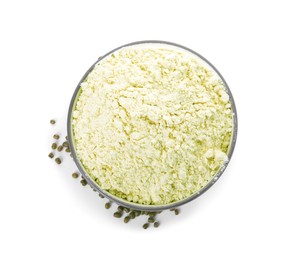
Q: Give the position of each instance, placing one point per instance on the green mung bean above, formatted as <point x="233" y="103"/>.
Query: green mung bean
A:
<point x="83" y="182"/>
<point x="127" y="210"/>
<point x="59" y="148"/>
<point x="156" y="224"/>
<point x="51" y="155"/>
<point x="151" y="220"/>
<point x="137" y="213"/>
<point x="58" y="160"/>
<point x="74" y="175"/>
<point x="146" y="225"/>
<point x="132" y="215"/>
<point x="126" y="219"/>
<point x="117" y="214"/>
<point x="120" y="208"/>
<point x="108" y="205"/>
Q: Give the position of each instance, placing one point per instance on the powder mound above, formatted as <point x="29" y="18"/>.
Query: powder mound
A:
<point x="152" y="124"/>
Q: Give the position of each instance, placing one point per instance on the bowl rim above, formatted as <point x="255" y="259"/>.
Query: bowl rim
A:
<point x="137" y="206"/>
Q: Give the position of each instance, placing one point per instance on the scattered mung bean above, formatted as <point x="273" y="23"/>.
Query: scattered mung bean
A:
<point x="132" y="215"/>
<point x="83" y="182"/>
<point x="127" y="210"/>
<point x="59" y="148"/>
<point x="126" y="219"/>
<point x="58" y="160"/>
<point x="51" y="155"/>
<point x="151" y="220"/>
<point x="146" y="225"/>
<point x="117" y="214"/>
<point x="55" y="136"/>
<point x="137" y="213"/>
<point x="54" y="146"/>
<point x="120" y="209"/>
<point x="74" y="175"/>
<point x="156" y="224"/>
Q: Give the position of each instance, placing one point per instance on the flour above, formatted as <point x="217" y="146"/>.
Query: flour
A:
<point x="152" y="124"/>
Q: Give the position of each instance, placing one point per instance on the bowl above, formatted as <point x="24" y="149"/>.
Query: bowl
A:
<point x="136" y="206"/>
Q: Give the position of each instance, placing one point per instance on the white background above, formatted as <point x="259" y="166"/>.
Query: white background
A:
<point x="46" y="47"/>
